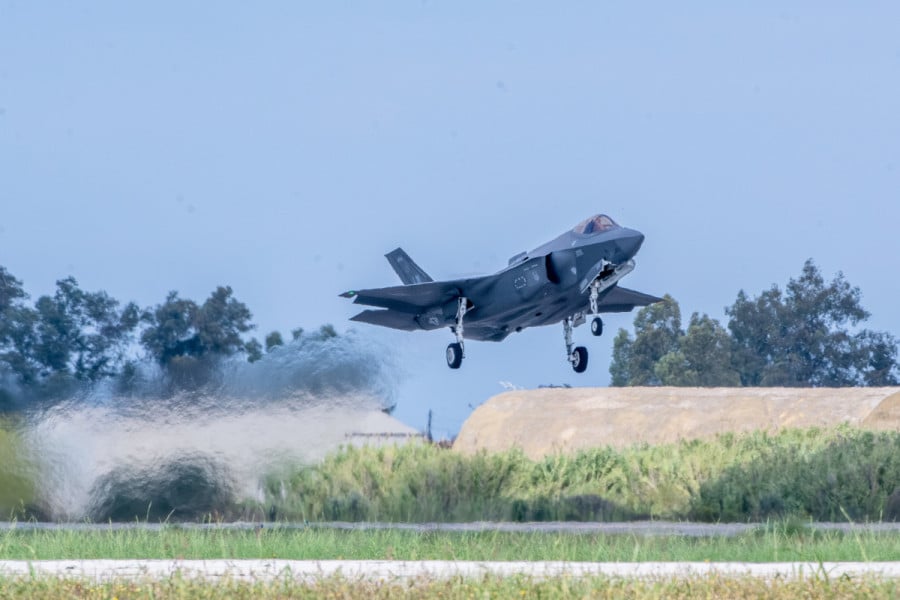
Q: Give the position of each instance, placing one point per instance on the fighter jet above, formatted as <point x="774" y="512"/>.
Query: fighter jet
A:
<point x="569" y="278"/>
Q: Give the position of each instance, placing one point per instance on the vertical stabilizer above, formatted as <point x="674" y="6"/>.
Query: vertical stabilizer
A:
<point x="408" y="271"/>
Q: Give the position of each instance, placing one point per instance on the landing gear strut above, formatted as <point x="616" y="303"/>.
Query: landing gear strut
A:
<point x="577" y="356"/>
<point x="457" y="350"/>
<point x="596" y="322"/>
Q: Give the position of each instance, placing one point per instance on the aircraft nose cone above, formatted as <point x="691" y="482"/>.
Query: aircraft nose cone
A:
<point x="631" y="244"/>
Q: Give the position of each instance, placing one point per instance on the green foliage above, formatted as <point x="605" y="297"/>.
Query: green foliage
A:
<point x="78" y="335"/>
<point x="657" y="330"/>
<point x="815" y="473"/>
<point x="254" y="350"/>
<point x="71" y="333"/>
<point x="661" y="353"/>
<point x="180" y="328"/>
<point x="16" y="487"/>
<point x="11" y="290"/>
<point x="326" y="332"/>
<point x="703" y="357"/>
<point x="84" y="334"/>
<point x="620" y="366"/>
<point x="170" y="332"/>
<point x="273" y="340"/>
<point x="770" y="542"/>
<point x="853" y="474"/>
<point x="17" y="324"/>
<point x="803" y="336"/>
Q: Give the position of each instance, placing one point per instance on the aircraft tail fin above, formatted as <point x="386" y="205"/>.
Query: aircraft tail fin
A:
<point x="408" y="271"/>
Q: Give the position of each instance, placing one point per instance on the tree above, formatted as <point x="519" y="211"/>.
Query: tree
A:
<point x="657" y="330"/>
<point x="180" y="328"/>
<point x="254" y="350"/>
<point x="327" y="331"/>
<point x="662" y="354"/>
<point x="703" y="357"/>
<point x="170" y="331"/>
<point x="17" y="322"/>
<point x="84" y="334"/>
<point x="804" y="336"/>
<point x="273" y="340"/>
<point x="11" y="291"/>
<point x="221" y="321"/>
<point x="620" y="367"/>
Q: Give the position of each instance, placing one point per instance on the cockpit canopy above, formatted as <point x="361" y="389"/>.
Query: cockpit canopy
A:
<point x="596" y="224"/>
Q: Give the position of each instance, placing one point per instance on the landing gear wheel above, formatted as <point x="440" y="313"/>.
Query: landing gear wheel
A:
<point x="454" y="355"/>
<point x="579" y="359"/>
<point x="597" y="326"/>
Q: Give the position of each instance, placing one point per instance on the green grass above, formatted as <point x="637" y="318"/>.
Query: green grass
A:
<point x="16" y="487"/>
<point x="777" y="542"/>
<point x="827" y="475"/>
<point x="488" y="587"/>
<point x="820" y="474"/>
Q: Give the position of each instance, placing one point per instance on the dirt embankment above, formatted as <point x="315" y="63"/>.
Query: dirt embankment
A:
<point x="545" y="421"/>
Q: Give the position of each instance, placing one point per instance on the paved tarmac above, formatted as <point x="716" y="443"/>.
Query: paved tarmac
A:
<point x="379" y="570"/>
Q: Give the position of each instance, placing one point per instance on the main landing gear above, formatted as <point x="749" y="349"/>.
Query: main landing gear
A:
<point x="457" y="350"/>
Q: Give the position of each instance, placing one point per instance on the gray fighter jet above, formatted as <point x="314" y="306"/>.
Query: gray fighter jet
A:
<point x="566" y="279"/>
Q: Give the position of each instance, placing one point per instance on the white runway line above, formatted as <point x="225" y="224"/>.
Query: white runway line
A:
<point x="378" y="570"/>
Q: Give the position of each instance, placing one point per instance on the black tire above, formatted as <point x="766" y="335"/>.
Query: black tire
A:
<point x="580" y="359"/>
<point x="597" y="326"/>
<point x="454" y="355"/>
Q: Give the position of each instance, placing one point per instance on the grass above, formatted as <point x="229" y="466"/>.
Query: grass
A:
<point x="16" y="488"/>
<point x="488" y="587"/>
<point x="823" y="474"/>
<point x="820" y="474"/>
<point x="775" y="542"/>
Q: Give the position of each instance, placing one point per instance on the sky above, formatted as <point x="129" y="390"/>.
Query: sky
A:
<point x="284" y="148"/>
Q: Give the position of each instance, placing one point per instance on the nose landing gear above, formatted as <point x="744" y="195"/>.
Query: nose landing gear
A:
<point x="596" y="322"/>
<point x="597" y="326"/>
<point x="577" y="356"/>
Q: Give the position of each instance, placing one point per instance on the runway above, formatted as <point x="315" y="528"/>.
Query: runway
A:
<point x="379" y="570"/>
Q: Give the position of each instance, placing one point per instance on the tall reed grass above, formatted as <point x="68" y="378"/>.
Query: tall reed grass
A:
<point x="823" y="474"/>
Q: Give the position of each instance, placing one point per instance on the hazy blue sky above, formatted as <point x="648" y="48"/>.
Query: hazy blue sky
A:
<point x="283" y="148"/>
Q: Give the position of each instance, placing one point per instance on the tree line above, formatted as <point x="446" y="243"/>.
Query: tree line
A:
<point x="74" y="334"/>
<point x="808" y="334"/>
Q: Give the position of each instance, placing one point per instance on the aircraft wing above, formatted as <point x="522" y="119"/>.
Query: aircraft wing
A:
<point x="414" y="298"/>
<point x="620" y="299"/>
<point x="388" y="318"/>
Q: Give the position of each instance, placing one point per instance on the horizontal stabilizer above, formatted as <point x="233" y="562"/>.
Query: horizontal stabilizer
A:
<point x="620" y="299"/>
<point x="408" y="271"/>
<point x="388" y="318"/>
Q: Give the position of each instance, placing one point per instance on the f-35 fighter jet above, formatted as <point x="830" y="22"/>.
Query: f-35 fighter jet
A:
<point x="566" y="279"/>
